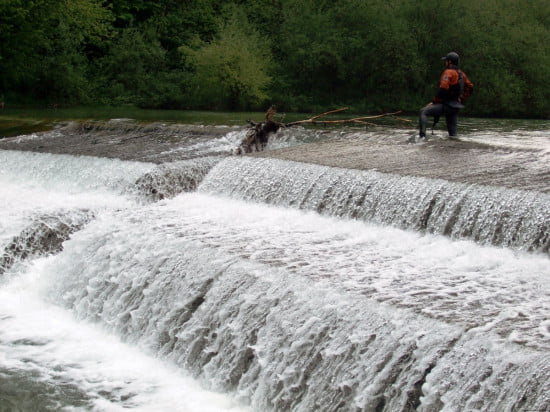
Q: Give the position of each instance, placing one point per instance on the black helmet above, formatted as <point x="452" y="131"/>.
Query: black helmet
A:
<point x="452" y="56"/>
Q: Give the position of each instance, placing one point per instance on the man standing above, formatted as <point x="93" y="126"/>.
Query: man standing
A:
<point x="454" y="89"/>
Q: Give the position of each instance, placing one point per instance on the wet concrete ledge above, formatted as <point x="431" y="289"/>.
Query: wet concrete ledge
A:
<point x="124" y="141"/>
<point x="456" y="161"/>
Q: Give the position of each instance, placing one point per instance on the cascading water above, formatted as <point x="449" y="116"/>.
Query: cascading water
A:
<point x="170" y="179"/>
<point x="486" y="214"/>
<point x="267" y="303"/>
<point x="49" y="360"/>
<point x="318" y="300"/>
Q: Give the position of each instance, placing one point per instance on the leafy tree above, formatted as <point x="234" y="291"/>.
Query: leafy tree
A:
<point x="20" y="40"/>
<point x="143" y="65"/>
<point x="43" y="52"/>
<point x="75" y="27"/>
<point x="348" y="51"/>
<point x="382" y="64"/>
<point x="509" y="62"/>
<point x="132" y="71"/>
<point x="128" y="13"/>
<point x="231" y="71"/>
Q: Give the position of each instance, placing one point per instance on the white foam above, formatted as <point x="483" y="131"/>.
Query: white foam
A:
<point x="456" y="281"/>
<point x="19" y="204"/>
<point x="116" y="376"/>
<point x="75" y="174"/>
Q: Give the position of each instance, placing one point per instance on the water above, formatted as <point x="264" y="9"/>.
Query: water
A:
<point x="230" y="283"/>
<point x="487" y="214"/>
<point x="48" y="359"/>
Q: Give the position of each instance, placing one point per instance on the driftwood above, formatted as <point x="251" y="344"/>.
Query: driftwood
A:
<point x="258" y="135"/>
<point x="357" y="120"/>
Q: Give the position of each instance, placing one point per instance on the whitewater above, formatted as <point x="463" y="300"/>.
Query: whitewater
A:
<point x="213" y="282"/>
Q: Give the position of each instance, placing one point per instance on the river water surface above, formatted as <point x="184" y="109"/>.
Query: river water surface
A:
<point x="180" y="277"/>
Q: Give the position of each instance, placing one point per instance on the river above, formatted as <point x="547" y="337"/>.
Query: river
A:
<point x="147" y="267"/>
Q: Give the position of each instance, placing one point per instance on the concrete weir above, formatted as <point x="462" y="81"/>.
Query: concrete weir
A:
<point x="491" y="187"/>
<point x="498" y="158"/>
<point x="340" y="269"/>
<point x="463" y="161"/>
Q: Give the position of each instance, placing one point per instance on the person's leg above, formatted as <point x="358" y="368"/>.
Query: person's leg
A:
<point x="429" y="110"/>
<point x="451" y="117"/>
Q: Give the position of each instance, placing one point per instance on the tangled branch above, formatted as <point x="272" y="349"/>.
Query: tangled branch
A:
<point x="257" y="136"/>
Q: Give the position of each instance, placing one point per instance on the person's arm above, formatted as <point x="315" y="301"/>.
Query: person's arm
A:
<point x="468" y="88"/>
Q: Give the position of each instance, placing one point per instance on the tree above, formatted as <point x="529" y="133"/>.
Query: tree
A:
<point x="232" y="71"/>
<point x="143" y="65"/>
<point x="20" y="39"/>
<point x="43" y="50"/>
<point x="303" y="55"/>
<point x="352" y="52"/>
<point x="134" y="70"/>
<point x="509" y="63"/>
<point x="75" y="27"/>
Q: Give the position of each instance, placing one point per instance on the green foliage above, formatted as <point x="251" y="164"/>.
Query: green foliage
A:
<point x="509" y="60"/>
<point x="303" y="55"/>
<point x="231" y="71"/>
<point x="131" y="67"/>
<point x="43" y="52"/>
<point x="20" y="42"/>
<point x="75" y="26"/>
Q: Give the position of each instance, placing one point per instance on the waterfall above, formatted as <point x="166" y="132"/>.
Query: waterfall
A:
<point x="85" y="173"/>
<point x="289" y="286"/>
<point x="283" y="337"/>
<point x="71" y="173"/>
<point x="45" y="232"/>
<point x="489" y="215"/>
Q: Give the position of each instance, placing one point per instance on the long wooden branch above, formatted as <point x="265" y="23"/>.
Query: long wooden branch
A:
<point x="360" y="120"/>
<point x="312" y="119"/>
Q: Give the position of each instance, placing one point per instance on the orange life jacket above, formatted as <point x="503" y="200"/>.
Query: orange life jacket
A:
<point x="454" y="86"/>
